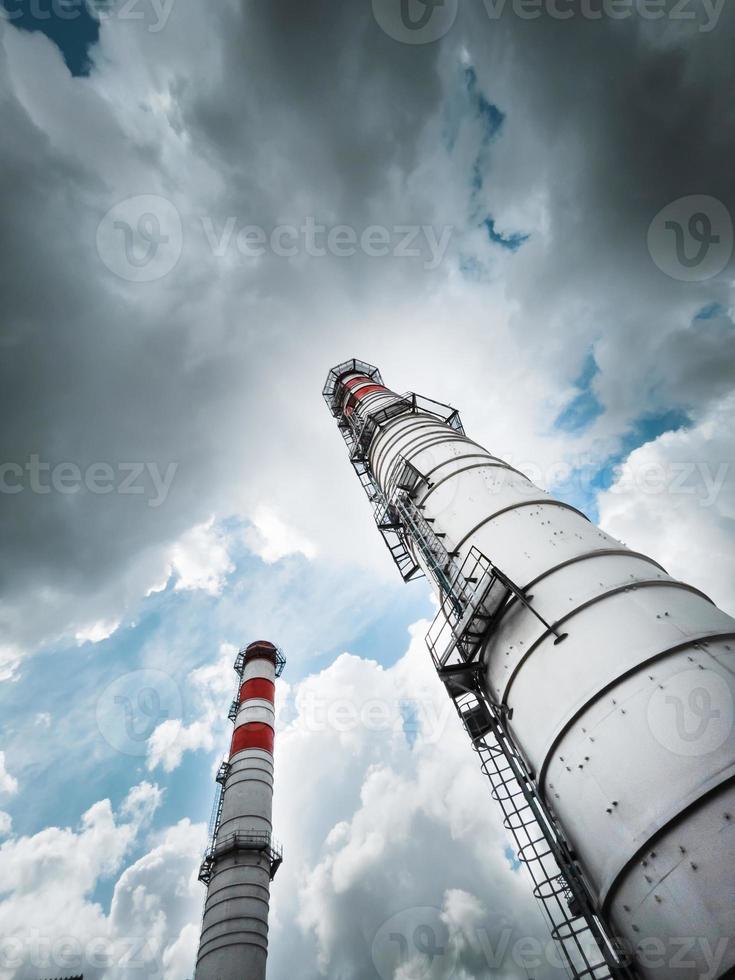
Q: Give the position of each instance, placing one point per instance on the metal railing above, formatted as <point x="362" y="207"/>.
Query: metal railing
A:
<point x="456" y="636"/>
<point x="480" y="593"/>
<point x="238" y="840"/>
<point x="239" y="664"/>
<point x="241" y="840"/>
<point x="331" y="388"/>
<point x="475" y="595"/>
<point x="359" y="430"/>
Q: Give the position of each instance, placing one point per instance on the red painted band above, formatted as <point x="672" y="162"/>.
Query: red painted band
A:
<point x="253" y="735"/>
<point x="361" y="379"/>
<point x="368" y="389"/>
<point x="258" y="687"/>
<point x="362" y="385"/>
<point x="357" y="389"/>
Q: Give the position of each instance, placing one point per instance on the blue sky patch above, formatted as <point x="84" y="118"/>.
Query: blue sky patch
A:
<point x="711" y="312"/>
<point x="512" y="858"/>
<point x="175" y="632"/>
<point x="580" y="491"/>
<point x="583" y="485"/>
<point x="67" y="23"/>
<point x="510" y="242"/>
<point x="411" y="721"/>
<point x="472" y="269"/>
<point x="585" y="407"/>
<point x="645" y="429"/>
<point x="492" y="118"/>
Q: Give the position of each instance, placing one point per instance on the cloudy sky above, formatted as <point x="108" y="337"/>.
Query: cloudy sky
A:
<point x="522" y="209"/>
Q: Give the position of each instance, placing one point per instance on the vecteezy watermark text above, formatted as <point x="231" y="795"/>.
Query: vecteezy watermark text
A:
<point x="318" y="240"/>
<point x="345" y="714"/>
<point x="66" y="952"/>
<point x="155" y="13"/>
<point x="697" y="480"/>
<point x="425" y="21"/>
<point x="422" y="942"/>
<point x="708" y="11"/>
<point x="37" y="476"/>
<point x="141" y="239"/>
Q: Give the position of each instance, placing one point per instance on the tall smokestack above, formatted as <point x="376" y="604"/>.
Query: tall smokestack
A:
<point x="242" y="857"/>
<point x="597" y="690"/>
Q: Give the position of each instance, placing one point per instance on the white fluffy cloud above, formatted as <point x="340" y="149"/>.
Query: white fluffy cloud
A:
<point x="48" y="919"/>
<point x="8" y="783"/>
<point x="50" y="923"/>
<point x="388" y="828"/>
<point x="96" y="632"/>
<point x="158" y="901"/>
<point x="6" y="823"/>
<point x="271" y="539"/>
<point x="209" y="688"/>
<point x="10" y="659"/>
<point x="200" y="559"/>
<point x="141" y="803"/>
<point x="675" y="500"/>
<point x="387" y="825"/>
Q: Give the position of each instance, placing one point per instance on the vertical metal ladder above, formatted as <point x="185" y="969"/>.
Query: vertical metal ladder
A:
<point x="386" y="520"/>
<point x="539" y="846"/>
<point x="207" y="866"/>
<point x="474" y="598"/>
<point x="477" y="595"/>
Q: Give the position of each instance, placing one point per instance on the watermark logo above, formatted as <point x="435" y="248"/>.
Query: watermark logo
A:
<point x="415" y="21"/>
<point x="692" y="239"/>
<point x="132" y="707"/>
<point x="148" y="480"/>
<point x="692" y="713"/>
<point x="140" y="239"/>
<point x="415" y="944"/>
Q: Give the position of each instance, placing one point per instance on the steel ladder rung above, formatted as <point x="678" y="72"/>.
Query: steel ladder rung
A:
<point x="508" y="795"/>
<point x="535" y="854"/>
<point x="553" y="892"/>
<point x="524" y="818"/>
<point x="572" y="930"/>
<point x="526" y="824"/>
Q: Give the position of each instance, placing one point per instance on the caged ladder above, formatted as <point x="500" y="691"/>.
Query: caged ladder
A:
<point x="474" y="597"/>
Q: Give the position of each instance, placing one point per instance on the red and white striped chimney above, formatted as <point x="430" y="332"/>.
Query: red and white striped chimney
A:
<point x="242" y="857"/>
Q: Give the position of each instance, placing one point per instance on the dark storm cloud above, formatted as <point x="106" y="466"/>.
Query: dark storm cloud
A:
<point x="322" y="89"/>
<point x="276" y="113"/>
<point x="88" y="376"/>
<point x="302" y="120"/>
<point x="619" y="119"/>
